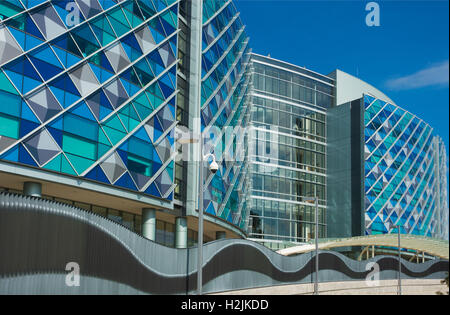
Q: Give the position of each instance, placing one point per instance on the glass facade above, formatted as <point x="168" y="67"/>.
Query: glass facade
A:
<point x="224" y="99"/>
<point x="402" y="173"/>
<point x="288" y="151"/>
<point x="88" y="89"/>
<point x="94" y="89"/>
<point x="291" y="84"/>
<point x="441" y="171"/>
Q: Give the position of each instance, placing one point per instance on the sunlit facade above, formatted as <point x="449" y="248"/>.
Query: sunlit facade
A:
<point x="102" y="107"/>
<point x="402" y="173"/>
<point x="94" y="100"/>
<point x="373" y="165"/>
<point x="224" y="107"/>
<point x="91" y="93"/>
<point x="386" y="167"/>
<point x="287" y="143"/>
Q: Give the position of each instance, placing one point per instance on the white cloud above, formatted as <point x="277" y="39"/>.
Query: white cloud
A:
<point x="436" y="74"/>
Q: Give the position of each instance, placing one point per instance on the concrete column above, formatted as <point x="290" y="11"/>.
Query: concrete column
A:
<point x="149" y="223"/>
<point x="181" y="232"/>
<point x="32" y="189"/>
<point x="220" y="235"/>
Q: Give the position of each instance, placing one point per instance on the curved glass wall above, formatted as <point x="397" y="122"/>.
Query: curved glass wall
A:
<point x="442" y="193"/>
<point x="224" y="109"/>
<point x="403" y="171"/>
<point x="88" y="89"/>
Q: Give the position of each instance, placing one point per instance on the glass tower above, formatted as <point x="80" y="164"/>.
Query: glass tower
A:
<point x="287" y="151"/>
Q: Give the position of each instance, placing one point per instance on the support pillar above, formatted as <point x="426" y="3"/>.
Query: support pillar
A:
<point x="32" y="189"/>
<point x="220" y="235"/>
<point x="366" y="252"/>
<point x="149" y="223"/>
<point x="181" y="232"/>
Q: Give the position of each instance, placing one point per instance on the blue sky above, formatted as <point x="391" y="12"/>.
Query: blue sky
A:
<point x="406" y="57"/>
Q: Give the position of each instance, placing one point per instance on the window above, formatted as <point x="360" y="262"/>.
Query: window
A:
<point x="99" y="210"/>
<point x="115" y="216"/>
<point x="269" y="116"/>
<point x="283" y="88"/>
<point x="139" y="165"/>
<point x="137" y="224"/>
<point x="68" y="202"/>
<point x="296" y="92"/>
<point x="259" y="82"/>
<point x="260" y="114"/>
<point x="165" y="233"/>
<point x="275" y="86"/>
<point x="81" y="205"/>
<point x="269" y="86"/>
<point x="192" y="238"/>
<point x="80" y="146"/>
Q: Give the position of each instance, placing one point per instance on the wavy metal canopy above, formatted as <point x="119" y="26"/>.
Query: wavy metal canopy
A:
<point x="432" y="246"/>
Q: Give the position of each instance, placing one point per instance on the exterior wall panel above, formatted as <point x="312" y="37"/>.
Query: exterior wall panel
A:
<point x="224" y="108"/>
<point x="89" y="90"/>
<point x="114" y="260"/>
<point x="288" y="153"/>
<point x="401" y="184"/>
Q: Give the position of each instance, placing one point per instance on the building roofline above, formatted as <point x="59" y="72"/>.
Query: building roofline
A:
<point x="290" y="65"/>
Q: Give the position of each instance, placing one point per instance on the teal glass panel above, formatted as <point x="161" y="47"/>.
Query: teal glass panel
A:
<point x="79" y="146"/>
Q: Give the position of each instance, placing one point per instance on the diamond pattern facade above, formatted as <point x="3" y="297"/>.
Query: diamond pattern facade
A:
<point x="88" y="87"/>
<point x="442" y="197"/>
<point x="225" y="59"/>
<point x="401" y="173"/>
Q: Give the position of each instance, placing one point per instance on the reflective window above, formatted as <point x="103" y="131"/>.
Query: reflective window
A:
<point x="288" y="161"/>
